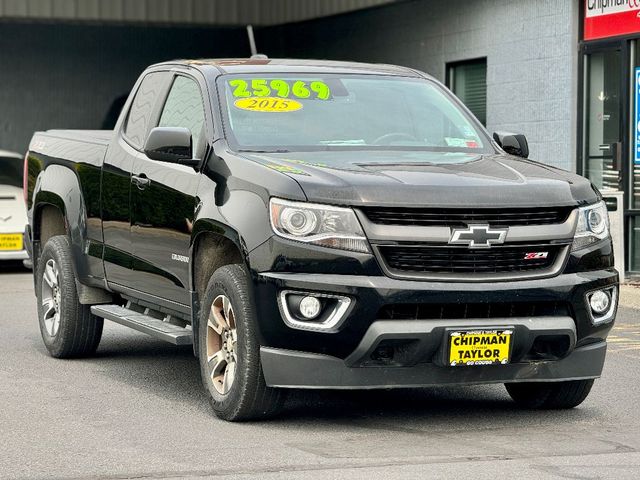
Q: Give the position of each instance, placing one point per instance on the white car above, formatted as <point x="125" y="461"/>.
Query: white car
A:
<point x="13" y="211"/>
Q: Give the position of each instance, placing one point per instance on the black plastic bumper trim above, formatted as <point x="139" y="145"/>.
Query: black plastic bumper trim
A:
<point x="291" y="369"/>
<point x="428" y="335"/>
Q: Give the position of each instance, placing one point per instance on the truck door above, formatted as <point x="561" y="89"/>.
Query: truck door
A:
<point x="163" y="201"/>
<point x="126" y="146"/>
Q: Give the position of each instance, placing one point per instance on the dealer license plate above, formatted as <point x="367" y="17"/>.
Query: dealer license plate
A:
<point x="479" y="347"/>
<point x="12" y="241"/>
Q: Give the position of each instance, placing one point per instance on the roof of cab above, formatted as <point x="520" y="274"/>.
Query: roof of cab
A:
<point x="272" y="65"/>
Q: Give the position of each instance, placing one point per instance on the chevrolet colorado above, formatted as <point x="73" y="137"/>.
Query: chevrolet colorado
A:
<point x="314" y="224"/>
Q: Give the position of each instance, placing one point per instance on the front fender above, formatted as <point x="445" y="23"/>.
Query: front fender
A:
<point x="234" y="211"/>
<point x="242" y="221"/>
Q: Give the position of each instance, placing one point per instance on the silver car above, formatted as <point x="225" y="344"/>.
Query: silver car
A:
<point x="13" y="212"/>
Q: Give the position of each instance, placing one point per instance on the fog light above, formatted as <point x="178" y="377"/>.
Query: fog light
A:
<point x="313" y="311"/>
<point x="310" y="307"/>
<point x="599" y="302"/>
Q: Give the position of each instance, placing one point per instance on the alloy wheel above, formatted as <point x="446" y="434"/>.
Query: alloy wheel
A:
<point x="222" y="343"/>
<point x="51" y="297"/>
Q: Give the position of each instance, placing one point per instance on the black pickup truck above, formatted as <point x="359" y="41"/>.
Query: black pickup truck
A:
<point x="313" y="224"/>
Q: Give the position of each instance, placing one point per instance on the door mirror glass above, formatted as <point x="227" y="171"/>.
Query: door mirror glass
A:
<point x="512" y="143"/>
<point x="169" y="144"/>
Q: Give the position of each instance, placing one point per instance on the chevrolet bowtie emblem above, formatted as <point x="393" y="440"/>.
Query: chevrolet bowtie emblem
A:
<point x="478" y="236"/>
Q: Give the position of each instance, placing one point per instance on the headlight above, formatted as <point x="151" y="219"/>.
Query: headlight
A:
<point x="593" y="225"/>
<point x="332" y="227"/>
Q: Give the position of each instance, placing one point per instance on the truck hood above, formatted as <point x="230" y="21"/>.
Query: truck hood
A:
<point x="411" y="178"/>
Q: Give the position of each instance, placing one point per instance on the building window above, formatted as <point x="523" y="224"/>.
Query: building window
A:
<point x="468" y="80"/>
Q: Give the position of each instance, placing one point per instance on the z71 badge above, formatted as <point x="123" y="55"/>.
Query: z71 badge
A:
<point x="536" y="255"/>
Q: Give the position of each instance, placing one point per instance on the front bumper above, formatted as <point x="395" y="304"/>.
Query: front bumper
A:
<point x="14" y="255"/>
<point x="342" y="359"/>
<point x="290" y="369"/>
<point x="11" y="255"/>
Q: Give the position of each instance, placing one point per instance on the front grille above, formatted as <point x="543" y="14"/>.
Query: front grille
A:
<point x="506" y="217"/>
<point x="432" y="311"/>
<point x="462" y="260"/>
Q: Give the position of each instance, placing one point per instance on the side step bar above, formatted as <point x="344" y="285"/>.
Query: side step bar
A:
<point x="144" y="323"/>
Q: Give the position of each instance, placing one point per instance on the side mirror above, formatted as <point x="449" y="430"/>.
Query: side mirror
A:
<point x="170" y="144"/>
<point x="512" y="143"/>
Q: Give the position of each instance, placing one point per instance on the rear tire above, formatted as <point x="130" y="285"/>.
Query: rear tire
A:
<point x="550" y="395"/>
<point x="229" y="350"/>
<point x="67" y="327"/>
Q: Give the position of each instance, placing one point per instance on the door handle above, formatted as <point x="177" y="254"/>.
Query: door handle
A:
<point x="141" y="181"/>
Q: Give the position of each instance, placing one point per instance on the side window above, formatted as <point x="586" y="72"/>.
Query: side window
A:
<point x="139" y="117"/>
<point x="184" y="108"/>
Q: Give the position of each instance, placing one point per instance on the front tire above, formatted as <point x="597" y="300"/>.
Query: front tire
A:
<point x="229" y="350"/>
<point x="67" y="327"/>
<point x="550" y="395"/>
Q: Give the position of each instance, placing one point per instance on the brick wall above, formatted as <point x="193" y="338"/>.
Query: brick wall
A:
<point x="530" y="46"/>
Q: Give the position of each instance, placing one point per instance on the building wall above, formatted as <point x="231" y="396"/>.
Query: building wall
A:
<point x="530" y="46"/>
<point x="57" y="75"/>
<point x="210" y="12"/>
<point x="68" y="76"/>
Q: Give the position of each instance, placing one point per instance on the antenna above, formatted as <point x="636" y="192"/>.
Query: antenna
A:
<point x="252" y="40"/>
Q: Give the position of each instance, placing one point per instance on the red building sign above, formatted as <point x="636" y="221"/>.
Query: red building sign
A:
<point x="610" y="18"/>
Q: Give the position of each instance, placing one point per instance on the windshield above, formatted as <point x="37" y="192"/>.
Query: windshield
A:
<point x="303" y="112"/>
<point x="11" y="171"/>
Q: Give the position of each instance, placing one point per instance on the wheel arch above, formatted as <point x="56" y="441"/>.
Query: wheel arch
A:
<point x="49" y="219"/>
<point x="58" y="188"/>
<point x="213" y="245"/>
<point x="211" y="249"/>
<point x="59" y="209"/>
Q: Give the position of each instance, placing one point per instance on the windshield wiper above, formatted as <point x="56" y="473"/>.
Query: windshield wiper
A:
<point x="342" y="142"/>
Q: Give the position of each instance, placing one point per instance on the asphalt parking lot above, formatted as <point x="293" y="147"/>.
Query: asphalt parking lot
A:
<point x="137" y="410"/>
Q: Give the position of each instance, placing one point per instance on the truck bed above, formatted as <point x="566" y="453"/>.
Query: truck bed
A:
<point x="101" y="137"/>
<point x="87" y="147"/>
